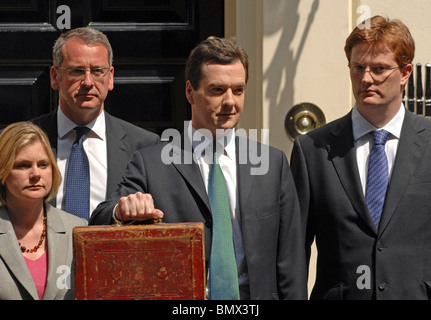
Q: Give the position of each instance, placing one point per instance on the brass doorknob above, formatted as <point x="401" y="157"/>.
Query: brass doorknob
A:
<point x="303" y="118"/>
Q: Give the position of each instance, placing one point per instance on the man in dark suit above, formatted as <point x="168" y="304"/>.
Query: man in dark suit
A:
<point x="83" y="74"/>
<point x="172" y="180"/>
<point x="373" y="238"/>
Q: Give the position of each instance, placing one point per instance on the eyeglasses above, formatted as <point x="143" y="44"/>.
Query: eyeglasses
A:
<point x="79" y="73"/>
<point x="378" y="73"/>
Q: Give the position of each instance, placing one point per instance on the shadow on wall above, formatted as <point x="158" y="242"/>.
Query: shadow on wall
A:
<point x="281" y="72"/>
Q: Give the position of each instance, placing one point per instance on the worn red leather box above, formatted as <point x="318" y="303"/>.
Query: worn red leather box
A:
<point x="163" y="261"/>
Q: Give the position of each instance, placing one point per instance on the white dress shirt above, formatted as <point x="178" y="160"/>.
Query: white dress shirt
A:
<point x="94" y="146"/>
<point x="202" y="151"/>
<point x="364" y="141"/>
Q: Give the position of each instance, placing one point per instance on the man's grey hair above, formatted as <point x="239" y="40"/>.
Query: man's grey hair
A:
<point x="86" y="34"/>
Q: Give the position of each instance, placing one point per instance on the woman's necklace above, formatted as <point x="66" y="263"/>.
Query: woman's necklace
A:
<point x="42" y="237"/>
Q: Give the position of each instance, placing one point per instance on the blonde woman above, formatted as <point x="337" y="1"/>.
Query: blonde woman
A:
<point x="35" y="238"/>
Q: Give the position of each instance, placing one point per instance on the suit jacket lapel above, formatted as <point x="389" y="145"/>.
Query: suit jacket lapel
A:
<point x="49" y="124"/>
<point x="188" y="167"/>
<point x="12" y="255"/>
<point x="117" y="152"/>
<point x="57" y="238"/>
<point x="244" y="178"/>
<point x="190" y="171"/>
<point x="342" y="153"/>
<point x="410" y="150"/>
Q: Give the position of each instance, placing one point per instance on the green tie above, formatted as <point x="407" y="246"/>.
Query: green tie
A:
<point x="223" y="269"/>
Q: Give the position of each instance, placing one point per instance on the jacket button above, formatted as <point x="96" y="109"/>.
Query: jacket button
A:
<point x="380" y="246"/>
<point x="382" y="286"/>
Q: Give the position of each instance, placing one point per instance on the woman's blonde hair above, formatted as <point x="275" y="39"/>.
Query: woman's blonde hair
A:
<point x="13" y="138"/>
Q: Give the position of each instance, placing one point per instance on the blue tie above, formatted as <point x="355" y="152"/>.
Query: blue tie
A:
<point x="223" y="269"/>
<point x="78" y="178"/>
<point x="378" y="176"/>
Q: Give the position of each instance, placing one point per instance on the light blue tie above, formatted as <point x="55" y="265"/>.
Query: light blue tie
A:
<point x="223" y="269"/>
<point x="78" y="178"/>
<point x="378" y="176"/>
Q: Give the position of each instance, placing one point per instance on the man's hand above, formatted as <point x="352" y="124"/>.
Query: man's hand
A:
<point x="138" y="206"/>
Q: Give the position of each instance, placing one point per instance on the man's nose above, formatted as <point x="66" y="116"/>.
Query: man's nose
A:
<point x="228" y="99"/>
<point x="367" y="76"/>
<point x="88" y="80"/>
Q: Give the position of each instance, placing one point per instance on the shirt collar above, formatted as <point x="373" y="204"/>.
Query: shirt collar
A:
<point x="202" y="139"/>
<point x="361" y="126"/>
<point x="65" y="125"/>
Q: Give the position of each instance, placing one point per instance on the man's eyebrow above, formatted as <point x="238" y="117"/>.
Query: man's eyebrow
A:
<point x="222" y="84"/>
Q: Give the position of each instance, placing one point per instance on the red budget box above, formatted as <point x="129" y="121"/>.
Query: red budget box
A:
<point x="162" y="261"/>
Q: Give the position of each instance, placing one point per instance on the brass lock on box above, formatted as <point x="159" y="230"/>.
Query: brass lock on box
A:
<point x="303" y="118"/>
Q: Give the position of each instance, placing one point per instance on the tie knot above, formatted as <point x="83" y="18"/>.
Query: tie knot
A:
<point x="380" y="136"/>
<point x="215" y="157"/>
<point x="218" y="150"/>
<point x="81" y="132"/>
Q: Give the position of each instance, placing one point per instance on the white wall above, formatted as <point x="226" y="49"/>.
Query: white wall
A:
<point x="304" y="61"/>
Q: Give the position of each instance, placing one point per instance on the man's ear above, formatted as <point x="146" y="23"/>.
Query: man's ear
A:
<point x="189" y="92"/>
<point x="406" y="72"/>
<point x="55" y="78"/>
<point x="111" y="79"/>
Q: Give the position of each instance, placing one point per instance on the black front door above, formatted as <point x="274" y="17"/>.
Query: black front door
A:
<point x="151" y="40"/>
